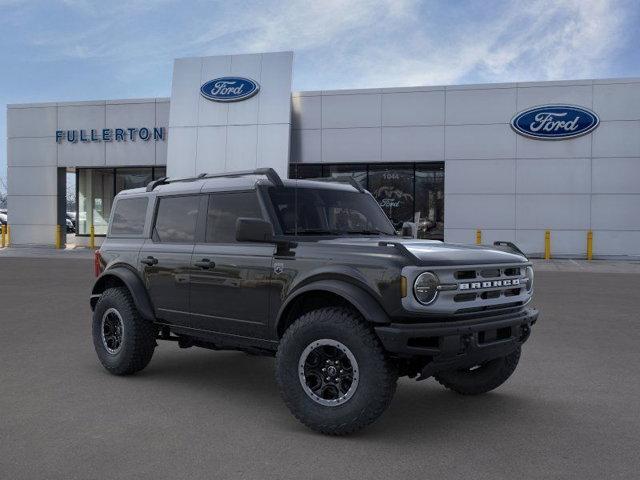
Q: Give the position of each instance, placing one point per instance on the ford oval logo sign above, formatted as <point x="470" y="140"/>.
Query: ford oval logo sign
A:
<point x="555" y="122"/>
<point x="229" y="89"/>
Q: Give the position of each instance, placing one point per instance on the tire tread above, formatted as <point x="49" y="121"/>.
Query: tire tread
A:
<point x="348" y="321"/>
<point x="142" y="334"/>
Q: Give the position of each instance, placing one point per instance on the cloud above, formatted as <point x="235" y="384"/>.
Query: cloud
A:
<point x="361" y="43"/>
<point x="544" y="40"/>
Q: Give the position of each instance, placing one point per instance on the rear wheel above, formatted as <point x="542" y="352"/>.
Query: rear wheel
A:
<point x="480" y="378"/>
<point x="123" y="340"/>
<point x="333" y="373"/>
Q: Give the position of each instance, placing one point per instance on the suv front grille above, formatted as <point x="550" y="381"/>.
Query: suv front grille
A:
<point x="474" y="289"/>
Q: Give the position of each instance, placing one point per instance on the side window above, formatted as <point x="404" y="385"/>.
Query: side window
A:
<point x="224" y="209"/>
<point x="129" y="216"/>
<point x="176" y="219"/>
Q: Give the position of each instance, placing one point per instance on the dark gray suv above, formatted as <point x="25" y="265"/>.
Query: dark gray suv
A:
<point x="314" y="274"/>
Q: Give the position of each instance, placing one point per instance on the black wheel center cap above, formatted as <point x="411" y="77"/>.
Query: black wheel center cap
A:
<point x="331" y="370"/>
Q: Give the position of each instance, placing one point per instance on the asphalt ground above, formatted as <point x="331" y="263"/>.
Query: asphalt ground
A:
<point x="571" y="410"/>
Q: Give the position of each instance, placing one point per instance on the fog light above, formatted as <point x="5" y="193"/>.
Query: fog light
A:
<point x="425" y="288"/>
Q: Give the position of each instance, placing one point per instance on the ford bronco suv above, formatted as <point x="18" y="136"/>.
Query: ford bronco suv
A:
<point x="314" y="274"/>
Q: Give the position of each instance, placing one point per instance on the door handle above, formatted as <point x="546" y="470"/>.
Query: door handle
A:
<point x="205" y="264"/>
<point x="149" y="260"/>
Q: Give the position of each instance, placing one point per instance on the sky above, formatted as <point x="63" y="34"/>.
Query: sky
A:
<point x="87" y="50"/>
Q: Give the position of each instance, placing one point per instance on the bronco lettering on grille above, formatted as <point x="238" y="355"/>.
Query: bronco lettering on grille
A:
<point x="489" y="284"/>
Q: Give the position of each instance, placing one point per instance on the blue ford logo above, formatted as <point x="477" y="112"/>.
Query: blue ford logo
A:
<point x="555" y="122"/>
<point x="229" y="89"/>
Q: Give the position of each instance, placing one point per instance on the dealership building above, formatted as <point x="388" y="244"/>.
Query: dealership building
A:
<point x="512" y="160"/>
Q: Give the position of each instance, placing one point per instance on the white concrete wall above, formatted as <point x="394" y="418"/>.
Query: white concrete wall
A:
<point x="212" y="137"/>
<point x="511" y="187"/>
<point x="33" y="155"/>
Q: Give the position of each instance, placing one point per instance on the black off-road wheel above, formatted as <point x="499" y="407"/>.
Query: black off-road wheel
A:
<point x="123" y="340"/>
<point x="333" y="373"/>
<point x="480" y="378"/>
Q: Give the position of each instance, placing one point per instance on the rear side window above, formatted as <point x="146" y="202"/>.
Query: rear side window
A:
<point x="129" y="216"/>
<point x="176" y="219"/>
<point x="224" y="209"/>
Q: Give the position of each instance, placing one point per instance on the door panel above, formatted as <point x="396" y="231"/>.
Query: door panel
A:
<point x="232" y="294"/>
<point x="167" y="281"/>
<point x="166" y="258"/>
<point x="230" y="280"/>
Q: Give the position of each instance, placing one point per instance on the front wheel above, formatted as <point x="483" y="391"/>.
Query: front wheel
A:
<point x="333" y="373"/>
<point x="480" y="378"/>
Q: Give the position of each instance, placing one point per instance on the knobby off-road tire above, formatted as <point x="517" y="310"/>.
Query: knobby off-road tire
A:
<point x="373" y="374"/>
<point x="123" y="340"/>
<point x="482" y="379"/>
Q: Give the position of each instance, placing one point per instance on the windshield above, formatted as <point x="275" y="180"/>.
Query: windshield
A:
<point x="316" y="211"/>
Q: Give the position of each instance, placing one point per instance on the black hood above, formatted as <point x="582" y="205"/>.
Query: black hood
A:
<point x="436" y="253"/>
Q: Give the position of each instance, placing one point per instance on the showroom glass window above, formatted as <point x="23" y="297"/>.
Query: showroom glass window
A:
<point x="429" y="207"/>
<point x="95" y="196"/>
<point x="127" y="178"/>
<point x="393" y="187"/>
<point x="97" y="187"/>
<point x="358" y="172"/>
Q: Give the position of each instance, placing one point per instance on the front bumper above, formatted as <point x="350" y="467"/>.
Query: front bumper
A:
<point x="450" y="345"/>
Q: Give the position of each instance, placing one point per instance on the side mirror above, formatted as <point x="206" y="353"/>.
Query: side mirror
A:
<point x="254" y="230"/>
<point x="409" y="230"/>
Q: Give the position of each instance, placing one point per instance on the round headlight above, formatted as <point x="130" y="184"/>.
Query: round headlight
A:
<point x="529" y="273"/>
<point x="426" y="288"/>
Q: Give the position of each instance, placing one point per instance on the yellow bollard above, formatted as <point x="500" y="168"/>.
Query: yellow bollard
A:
<point x="58" y="237"/>
<point x="478" y="237"/>
<point x="8" y="234"/>
<point x="92" y="237"/>
<point x="547" y="244"/>
<point x="4" y="235"/>
<point x="589" y="245"/>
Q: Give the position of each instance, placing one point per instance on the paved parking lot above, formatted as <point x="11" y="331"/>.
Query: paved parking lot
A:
<point x="570" y="411"/>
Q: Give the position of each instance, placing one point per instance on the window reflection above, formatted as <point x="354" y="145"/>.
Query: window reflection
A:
<point x="392" y="186"/>
<point x="127" y="178"/>
<point x="429" y="213"/>
<point x="406" y="192"/>
<point x="357" y="171"/>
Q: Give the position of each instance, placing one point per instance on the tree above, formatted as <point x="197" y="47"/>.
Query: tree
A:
<point x="3" y="193"/>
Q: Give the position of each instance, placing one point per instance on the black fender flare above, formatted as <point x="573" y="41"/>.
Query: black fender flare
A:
<point x="367" y="305"/>
<point x="135" y="285"/>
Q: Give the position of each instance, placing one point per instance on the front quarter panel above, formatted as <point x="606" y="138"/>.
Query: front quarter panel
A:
<point x="377" y="272"/>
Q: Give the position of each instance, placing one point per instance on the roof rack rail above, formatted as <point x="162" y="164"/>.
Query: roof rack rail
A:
<point x="270" y="173"/>
<point x="346" y="179"/>
<point x="154" y="183"/>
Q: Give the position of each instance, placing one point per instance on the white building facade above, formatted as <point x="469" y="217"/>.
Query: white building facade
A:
<point x="449" y="158"/>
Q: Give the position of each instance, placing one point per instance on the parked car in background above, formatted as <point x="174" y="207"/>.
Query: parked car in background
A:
<point x="71" y="222"/>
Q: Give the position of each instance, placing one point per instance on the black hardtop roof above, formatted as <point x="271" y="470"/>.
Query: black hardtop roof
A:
<point x="241" y="180"/>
